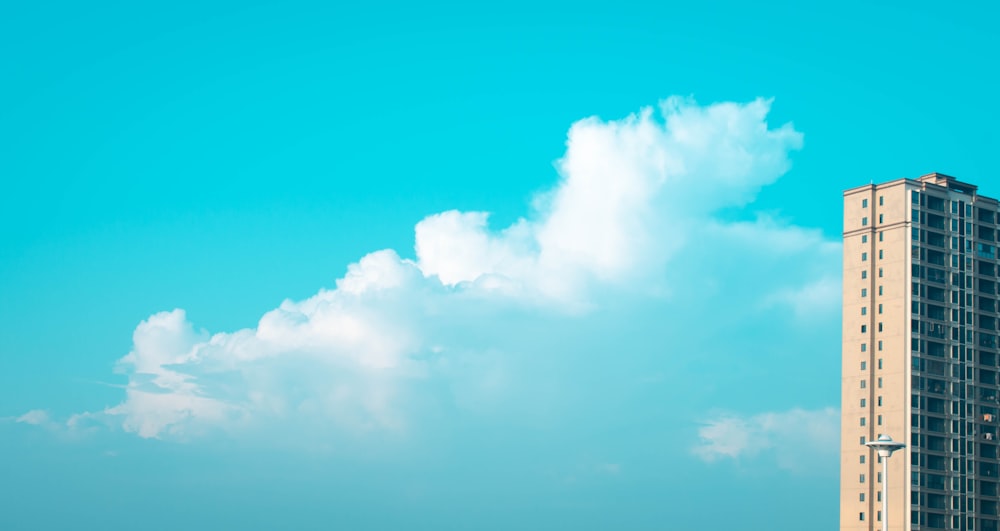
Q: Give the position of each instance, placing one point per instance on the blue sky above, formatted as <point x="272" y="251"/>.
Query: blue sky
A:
<point x="448" y="266"/>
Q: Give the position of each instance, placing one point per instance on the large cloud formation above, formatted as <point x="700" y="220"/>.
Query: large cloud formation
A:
<point x="633" y="195"/>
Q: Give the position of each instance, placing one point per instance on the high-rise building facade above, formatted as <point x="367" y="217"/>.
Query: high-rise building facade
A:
<point x="920" y="352"/>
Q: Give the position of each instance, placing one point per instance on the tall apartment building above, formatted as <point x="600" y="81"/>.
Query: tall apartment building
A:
<point x="920" y="355"/>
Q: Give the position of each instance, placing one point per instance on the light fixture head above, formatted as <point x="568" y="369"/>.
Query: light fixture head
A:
<point x="885" y="446"/>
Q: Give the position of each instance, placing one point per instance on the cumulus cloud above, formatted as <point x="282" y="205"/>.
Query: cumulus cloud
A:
<point x="632" y="195"/>
<point x="795" y="439"/>
<point x="334" y="353"/>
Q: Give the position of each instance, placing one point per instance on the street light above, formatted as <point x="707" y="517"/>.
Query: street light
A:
<point x="885" y="447"/>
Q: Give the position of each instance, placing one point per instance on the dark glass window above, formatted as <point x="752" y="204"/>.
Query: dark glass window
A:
<point x="936" y="257"/>
<point x="986" y="233"/>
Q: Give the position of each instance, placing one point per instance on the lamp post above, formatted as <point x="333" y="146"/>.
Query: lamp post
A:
<point x="885" y="446"/>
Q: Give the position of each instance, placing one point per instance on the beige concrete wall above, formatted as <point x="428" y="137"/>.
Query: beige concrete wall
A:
<point x="852" y="374"/>
<point x="890" y="365"/>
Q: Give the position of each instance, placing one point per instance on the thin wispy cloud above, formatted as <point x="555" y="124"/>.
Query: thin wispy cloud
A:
<point x="799" y="440"/>
<point x="34" y="417"/>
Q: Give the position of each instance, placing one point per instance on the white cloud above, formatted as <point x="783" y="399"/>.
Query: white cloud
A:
<point x="810" y="264"/>
<point x="817" y="298"/>
<point x="610" y="468"/>
<point x="35" y="417"/>
<point x="796" y="439"/>
<point x="457" y="247"/>
<point x="768" y="235"/>
<point x="632" y="194"/>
